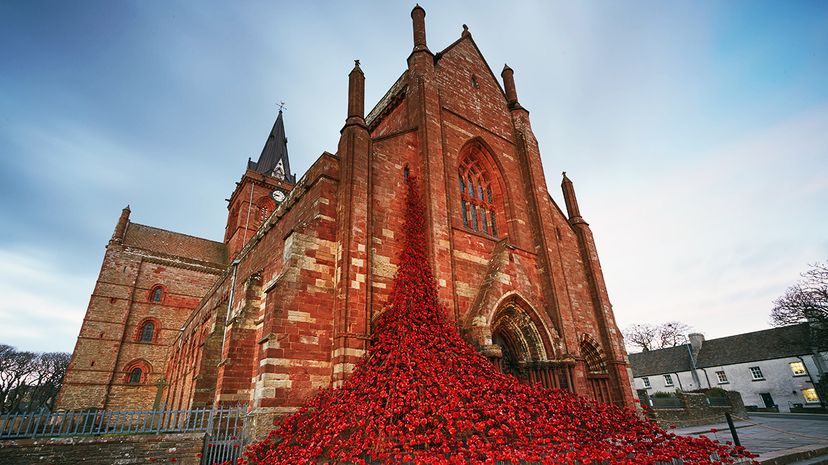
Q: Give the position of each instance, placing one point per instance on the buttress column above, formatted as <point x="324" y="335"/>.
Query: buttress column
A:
<point x="351" y="330"/>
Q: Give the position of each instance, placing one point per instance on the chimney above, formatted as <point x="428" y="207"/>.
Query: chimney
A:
<point x="696" y="341"/>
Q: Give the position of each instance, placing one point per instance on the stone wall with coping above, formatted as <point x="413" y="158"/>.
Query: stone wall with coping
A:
<point x="180" y="448"/>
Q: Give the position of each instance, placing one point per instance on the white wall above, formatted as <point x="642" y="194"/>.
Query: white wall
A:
<point x="779" y="381"/>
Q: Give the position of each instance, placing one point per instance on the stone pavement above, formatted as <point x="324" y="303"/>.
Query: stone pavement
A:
<point x="771" y="435"/>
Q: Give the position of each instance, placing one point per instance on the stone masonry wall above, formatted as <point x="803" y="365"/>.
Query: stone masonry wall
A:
<point x="181" y="448"/>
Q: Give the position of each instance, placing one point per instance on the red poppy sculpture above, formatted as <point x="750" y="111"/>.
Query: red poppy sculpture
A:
<point x="422" y="395"/>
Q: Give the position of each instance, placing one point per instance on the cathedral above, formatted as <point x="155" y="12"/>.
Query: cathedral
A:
<point x="284" y="305"/>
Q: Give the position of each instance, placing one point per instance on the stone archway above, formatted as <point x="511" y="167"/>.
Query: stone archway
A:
<point x="522" y="346"/>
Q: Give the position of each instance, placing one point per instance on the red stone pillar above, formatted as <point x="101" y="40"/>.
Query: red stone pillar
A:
<point x="351" y="321"/>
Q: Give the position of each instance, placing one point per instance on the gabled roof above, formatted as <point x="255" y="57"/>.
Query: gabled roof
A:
<point x="782" y="342"/>
<point x="176" y="245"/>
<point x="274" y="151"/>
<point x="388" y="101"/>
<point x="398" y="90"/>
<point x="768" y="344"/>
<point x="661" y="361"/>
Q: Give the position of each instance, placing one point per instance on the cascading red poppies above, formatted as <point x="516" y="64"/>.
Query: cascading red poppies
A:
<point x="422" y="395"/>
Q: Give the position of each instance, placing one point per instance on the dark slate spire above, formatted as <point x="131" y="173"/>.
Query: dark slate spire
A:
<point x="274" y="158"/>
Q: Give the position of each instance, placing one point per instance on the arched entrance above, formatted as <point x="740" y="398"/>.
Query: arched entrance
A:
<point x="524" y="348"/>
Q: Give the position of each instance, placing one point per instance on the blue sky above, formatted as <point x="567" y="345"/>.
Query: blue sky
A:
<point x="696" y="133"/>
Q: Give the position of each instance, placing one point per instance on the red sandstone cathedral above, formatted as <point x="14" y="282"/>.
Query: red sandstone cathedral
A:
<point x="285" y="304"/>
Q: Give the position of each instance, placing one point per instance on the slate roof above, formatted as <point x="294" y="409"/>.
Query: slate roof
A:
<point x="655" y="362"/>
<point x="785" y="341"/>
<point x="173" y="244"/>
<point x="769" y="344"/>
<point x="388" y="101"/>
<point x="275" y="149"/>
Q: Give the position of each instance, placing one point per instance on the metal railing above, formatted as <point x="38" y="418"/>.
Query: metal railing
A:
<point x="92" y="423"/>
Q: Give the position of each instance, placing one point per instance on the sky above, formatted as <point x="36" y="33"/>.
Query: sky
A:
<point x="696" y="133"/>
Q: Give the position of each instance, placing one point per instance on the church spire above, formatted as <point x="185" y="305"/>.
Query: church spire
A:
<point x="274" y="157"/>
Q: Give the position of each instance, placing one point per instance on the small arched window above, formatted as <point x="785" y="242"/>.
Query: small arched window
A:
<point x="157" y="294"/>
<point x="135" y="376"/>
<point x="264" y="206"/>
<point x="476" y="200"/>
<point x="147" y="331"/>
<point x="136" y="372"/>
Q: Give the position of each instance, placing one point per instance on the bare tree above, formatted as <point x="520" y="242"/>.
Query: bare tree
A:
<point x="28" y="381"/>
<point x="806" y="301"/>
<point x="640" y="336"/>
<point x="648" y="336"/>
<point x="672" y="334"/>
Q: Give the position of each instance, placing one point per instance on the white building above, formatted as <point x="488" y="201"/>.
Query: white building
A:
<point x="770" y="368"/>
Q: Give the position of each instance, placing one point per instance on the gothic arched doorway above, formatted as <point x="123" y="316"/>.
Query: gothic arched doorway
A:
<point x="525" y="348"/>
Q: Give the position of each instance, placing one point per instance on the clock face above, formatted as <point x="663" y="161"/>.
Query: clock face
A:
<point x="278" y="196"/>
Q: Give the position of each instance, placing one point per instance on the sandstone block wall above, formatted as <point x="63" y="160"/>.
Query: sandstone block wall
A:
<point x="142" y="449"/>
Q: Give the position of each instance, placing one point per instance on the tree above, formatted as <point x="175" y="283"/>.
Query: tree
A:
<point x="806" y="301"/>
<point x="647" y="336"/>
<point x="30" y="382"/>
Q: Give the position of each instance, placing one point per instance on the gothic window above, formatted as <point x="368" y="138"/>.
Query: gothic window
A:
<point x="135" y="376"/>
<point x="592" y="358"/>
<point x="147" y="331"/>
<point x="156" y="293"/>
<point x="476" y="200"/>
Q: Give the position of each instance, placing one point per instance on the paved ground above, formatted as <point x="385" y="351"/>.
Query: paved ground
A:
<point x="769" y="434"/>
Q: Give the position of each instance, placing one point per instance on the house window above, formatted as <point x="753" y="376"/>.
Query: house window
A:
<point x="476" y="199"/>
<point x="147" y="331"/>
<point x="756" y="373"/>
<point x="135" y="376"/>
<point x="798" y="369"/>
<point x="810" y="395"/>
<point x="646" y="382"/>
<point x="668" y="380"/>
<point x="722" y="377"/>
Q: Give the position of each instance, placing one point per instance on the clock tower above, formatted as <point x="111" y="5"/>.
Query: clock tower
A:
<point x="262" y="188"/>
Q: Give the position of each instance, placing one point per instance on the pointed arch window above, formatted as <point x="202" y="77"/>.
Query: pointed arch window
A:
<point x="135" y="376"/>
<point x="592" y="358"/>
<point x="477" y="205"/>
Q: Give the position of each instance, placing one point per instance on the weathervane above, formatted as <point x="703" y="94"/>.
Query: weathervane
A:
<point x="282" y="106"/>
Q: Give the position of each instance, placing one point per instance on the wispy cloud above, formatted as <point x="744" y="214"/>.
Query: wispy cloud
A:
<point x="43" y="305"/>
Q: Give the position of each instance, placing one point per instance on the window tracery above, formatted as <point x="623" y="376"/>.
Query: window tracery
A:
<point x="477" y="204"/>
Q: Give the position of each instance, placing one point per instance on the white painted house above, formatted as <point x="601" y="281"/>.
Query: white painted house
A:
<point x="775" y="367"/>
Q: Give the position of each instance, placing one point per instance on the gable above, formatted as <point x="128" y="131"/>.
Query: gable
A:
<point x="469" y="88"/>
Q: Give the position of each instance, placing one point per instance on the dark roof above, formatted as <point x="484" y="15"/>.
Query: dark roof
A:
<point x="656" y="362"/>
<point x="785" y="341"/>
<point x="388" y="101"/>
<point x="173" y="244"/>
<point x="275" y="149"/>
<point x="769" y="344"/>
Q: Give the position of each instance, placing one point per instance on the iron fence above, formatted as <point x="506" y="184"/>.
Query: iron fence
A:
<point x="106" y="422"/>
